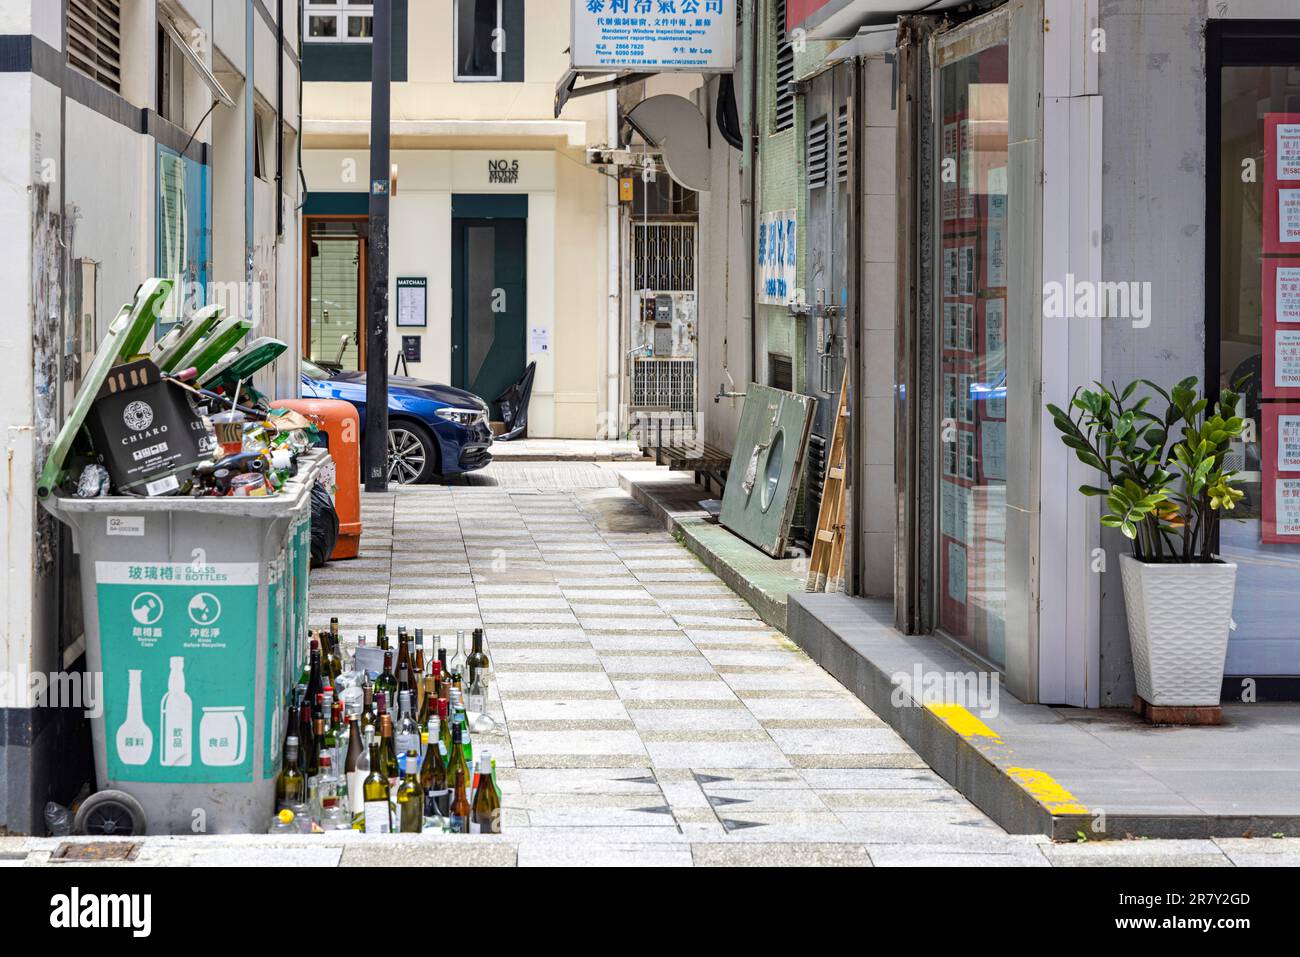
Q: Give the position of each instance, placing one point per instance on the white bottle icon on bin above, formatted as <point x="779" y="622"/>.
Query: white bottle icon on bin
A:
<point x="134" y="739"/>
<point x="177" y="720"/>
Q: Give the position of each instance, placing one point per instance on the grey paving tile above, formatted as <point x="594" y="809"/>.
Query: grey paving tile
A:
<point x="688" y="754"/>
<point x="431" y="851"/>
<point x="947" y="855"/>
<point x="1190" y="853"/>
<point x="536" y="854"/>
<point x="761" y="854"/>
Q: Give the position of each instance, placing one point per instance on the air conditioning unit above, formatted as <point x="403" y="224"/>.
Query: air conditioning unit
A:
<point x="607" y="156"/>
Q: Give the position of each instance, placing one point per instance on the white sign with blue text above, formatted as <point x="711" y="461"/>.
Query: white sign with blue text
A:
<point x="777" y="251"/>
<point x="654" y="36"/>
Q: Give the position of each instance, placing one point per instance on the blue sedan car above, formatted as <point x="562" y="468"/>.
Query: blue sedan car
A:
<point x="432" y="429"/>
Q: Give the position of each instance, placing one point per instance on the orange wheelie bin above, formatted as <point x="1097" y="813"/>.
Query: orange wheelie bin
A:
<point x="341" y="424"/>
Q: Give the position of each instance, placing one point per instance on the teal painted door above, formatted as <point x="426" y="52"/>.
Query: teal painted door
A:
<point x="489" y="316"/>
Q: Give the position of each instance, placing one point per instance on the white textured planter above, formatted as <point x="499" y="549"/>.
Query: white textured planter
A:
<point x="1178" y="621"/>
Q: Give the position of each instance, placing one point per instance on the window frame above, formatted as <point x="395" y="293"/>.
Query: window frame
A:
<point x="455" y="47"/>
<point x="341" y="11"/>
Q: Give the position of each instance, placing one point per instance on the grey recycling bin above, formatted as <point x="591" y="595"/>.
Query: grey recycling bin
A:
<point x="195" y="611"/>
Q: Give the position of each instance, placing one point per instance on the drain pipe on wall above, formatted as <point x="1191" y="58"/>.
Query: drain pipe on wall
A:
<point x="749" y="175"/>
<point x="614" y="272"/>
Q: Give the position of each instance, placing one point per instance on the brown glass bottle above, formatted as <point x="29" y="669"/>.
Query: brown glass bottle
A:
<point x="388" y="749"/>
<point x="460" y="809"/>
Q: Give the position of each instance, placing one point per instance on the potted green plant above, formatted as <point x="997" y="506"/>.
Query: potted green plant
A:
<point x="1166" y="489"/>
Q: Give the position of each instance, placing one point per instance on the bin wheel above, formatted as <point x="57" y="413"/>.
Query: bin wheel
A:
<point x="109" y="814"/>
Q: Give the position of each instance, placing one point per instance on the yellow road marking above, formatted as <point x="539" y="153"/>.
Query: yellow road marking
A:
<point x="1045" y="789"/>
<point x="963" y="722"/>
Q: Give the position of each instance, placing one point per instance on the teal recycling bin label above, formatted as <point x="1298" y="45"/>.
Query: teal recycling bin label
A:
<point x="277" y="678"/>
<point x="179" y="647"/>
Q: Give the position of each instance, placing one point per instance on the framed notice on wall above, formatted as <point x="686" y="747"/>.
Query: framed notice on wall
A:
<point x="1282" y="183"/>
<point x="1280" y="295"/>
<point x="412" y="302"/>
<point x="1280" y="464"/>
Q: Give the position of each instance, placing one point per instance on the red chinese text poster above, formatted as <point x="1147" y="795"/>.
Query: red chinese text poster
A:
<point x="1280" y="464"/>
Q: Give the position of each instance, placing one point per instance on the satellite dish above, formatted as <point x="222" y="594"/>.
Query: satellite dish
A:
<point x="673" y="125"/>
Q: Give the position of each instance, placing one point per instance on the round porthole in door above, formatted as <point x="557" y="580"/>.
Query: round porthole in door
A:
<point x="772" y="470"/>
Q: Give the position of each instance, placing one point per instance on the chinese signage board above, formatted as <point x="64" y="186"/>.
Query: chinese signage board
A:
<point x="777" y="257"/>
<point x="654" y="36"/>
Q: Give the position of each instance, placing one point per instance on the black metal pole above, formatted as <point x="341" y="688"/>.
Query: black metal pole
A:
<point x="376" y="435"/>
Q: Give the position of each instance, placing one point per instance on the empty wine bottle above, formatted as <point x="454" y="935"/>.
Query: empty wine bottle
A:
<point x="410" y="798"/>
<point x="290" y="785"/>
<point x="458" y="819"/>
<point x="486" y="815"/>
<point x="433" y="778"/>
<point x="387" y="681"/>
<point x="377" y="812"/>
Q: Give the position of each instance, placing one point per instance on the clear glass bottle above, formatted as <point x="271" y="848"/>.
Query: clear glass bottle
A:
<point x="407" y="734"/>
<point x="458" y="660"/>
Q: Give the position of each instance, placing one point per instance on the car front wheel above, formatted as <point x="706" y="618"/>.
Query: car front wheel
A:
<point x="412" y="458"/>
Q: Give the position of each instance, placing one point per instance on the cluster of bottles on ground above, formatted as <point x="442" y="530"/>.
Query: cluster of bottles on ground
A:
<point x="349" y="762"/>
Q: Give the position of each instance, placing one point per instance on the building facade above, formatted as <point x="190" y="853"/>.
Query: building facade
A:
<point x="145" y="138"/>
<point x="503" y="240"/>
<point x="950" y="174"/>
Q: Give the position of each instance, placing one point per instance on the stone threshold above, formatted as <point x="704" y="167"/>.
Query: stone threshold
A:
<point x="1068" y="773"/>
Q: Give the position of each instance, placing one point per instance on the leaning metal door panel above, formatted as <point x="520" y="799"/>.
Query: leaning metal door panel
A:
<point x="764" y="476"/>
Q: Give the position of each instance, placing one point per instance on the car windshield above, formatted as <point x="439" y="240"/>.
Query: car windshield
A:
<point x="312" y="371"/>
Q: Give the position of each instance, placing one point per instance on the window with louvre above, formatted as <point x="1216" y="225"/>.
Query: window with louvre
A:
<point x="784" y="117"/>
<point x="818" y="164"/>
<point x="94" y="40"/>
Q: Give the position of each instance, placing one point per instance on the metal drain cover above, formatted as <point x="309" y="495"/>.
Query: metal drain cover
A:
<point x="96" y="851"/>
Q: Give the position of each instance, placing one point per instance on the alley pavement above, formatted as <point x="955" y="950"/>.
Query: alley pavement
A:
<point x="645" y="715"/>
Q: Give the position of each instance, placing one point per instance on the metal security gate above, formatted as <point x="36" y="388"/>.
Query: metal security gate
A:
<point x="662" y="358"/>
<point x="830" y="150"/>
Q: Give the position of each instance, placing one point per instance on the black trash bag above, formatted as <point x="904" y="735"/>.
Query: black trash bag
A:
<point x="513" y="404"/>
<point x="324" y="526"/>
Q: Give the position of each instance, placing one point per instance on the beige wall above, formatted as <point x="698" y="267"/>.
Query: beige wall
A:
<point x="568" y="243"/>
<point x="566" y="283"/>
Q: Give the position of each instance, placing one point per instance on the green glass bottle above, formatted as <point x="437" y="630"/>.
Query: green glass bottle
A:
<point x="387" y="681"/>
<point x="377" y="812"/>
<point x="477" y="659"/>
<point x="410" y="798"/>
